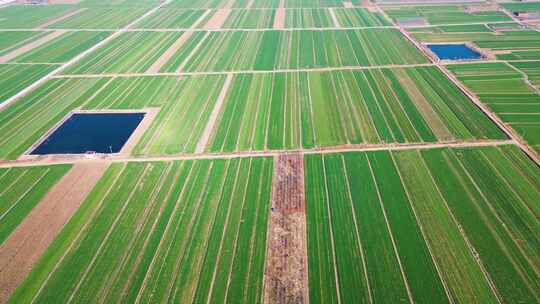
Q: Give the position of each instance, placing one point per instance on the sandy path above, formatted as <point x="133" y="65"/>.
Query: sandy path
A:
<point x="61" y="18"/>
<point x="30" y="240"/>
<point x="205" y="137"/>
<point x="151" y="114"/>
<point x="217" y="20"/>
<point x="334" y="18"/>
<point x="30" y="46"/>
<point x="50" y="160"/>
<point x="286" y="276"/>
<point x="169" y="53"/>
<point x="279" y="19"/>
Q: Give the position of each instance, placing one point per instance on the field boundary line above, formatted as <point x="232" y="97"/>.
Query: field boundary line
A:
<point x="390" y="232"/>
<point x="331" y="231"/>
<point x="213" y="119"/>
<point x="22" y="250"/>
<point x="70" y="159"/>
<point x="75" y="59"/>
<point x="357" y="231"/>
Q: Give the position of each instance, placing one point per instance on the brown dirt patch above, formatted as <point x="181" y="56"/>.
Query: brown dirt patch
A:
<point x="169" y="53"/>
<point x="29" y="241"/>
<point x="279" y="19"/>
<point x="61" y="18"/>
<point x="217" y="20"/>
<point x="348" y="4"/>
<point x="30" y="46"/>
<point x="286" y="276"/>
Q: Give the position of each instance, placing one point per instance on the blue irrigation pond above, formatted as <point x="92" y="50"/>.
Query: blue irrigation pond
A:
<point x="454" y="52"/>
<point x="84" y="132"/>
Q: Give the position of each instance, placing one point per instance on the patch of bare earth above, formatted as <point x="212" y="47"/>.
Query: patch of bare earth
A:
<point x="30" y="46"/>
<point x="286" y="276"/>
<point x="217" y="20"/>
<point x="348" y="4"/>
<point x="29" y="241"/>
<point x="61" y="18"/>
<point x="279" y="19"/>
<point x="169" y="53"/>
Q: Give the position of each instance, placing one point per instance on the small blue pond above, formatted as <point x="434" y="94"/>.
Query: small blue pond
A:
<point x="454" y="52"/>
<point x="83" y="132"/>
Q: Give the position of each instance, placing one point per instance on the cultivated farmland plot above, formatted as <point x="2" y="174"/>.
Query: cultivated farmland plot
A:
<point x="315" y="109"/>
<point x="184" y="106"/>
<point x="505" y="90"/>
<point x="19" y="16"/>
<point x="10" y="41"/>
<point x="20" y="191"/>
<point x="381" y="224"/>
<point x="162" y="231"/>
<point x="245" y="51"/>
<point x="15" y="77"/>
<point x="444" y="14"/>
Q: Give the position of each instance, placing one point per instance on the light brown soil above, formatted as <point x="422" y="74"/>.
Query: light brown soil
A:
<point x="205" y="137"/>
<point x="61" y="18"/>
<point x="33" y="236"/>
<point x="217" y="20"/>
<point x="286" y="276"/>
<point x="169" y="53"/>
<point x="30" y="46"/>
<point x="151" y="114"/>
<point x="348" y="4"/>
<point x="279" y="19"/>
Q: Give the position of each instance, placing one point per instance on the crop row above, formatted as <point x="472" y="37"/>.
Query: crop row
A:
<point x="25" y="16"/>
<point x="191" y="231"/>
<point x="505" y="91"/>
<point x="445" y="225"/>
<point x="254" y="4"/>
<point x="240" y="50"/>
<point x="293" y="110"/>
<point x="16" y="77"/>
<point x="12" y="40"/>
<point x="21" y="189"/>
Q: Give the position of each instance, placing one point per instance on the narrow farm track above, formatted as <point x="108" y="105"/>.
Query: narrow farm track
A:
<point x="34" y="235"/>
<point x="77" y="58"/>
<point x="286" y="279"/>
<point x="59" y="159"/>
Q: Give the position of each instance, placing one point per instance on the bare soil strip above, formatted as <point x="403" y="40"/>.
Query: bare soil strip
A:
<point x="286" y="275"/>
<point x="30" y="240"/>
<point x="205" y="137"/>
<point x="72" y="159"/>
<point x="169" y="53"/>
<point x="217" y="20"/>
<point x="348" y="4"/>
<point x="151" y="114"/>
<point x="61" y="18"/>
<point x="334" y="18"/>
<point x="30" y="46"/>
<point x="279" y="19"/>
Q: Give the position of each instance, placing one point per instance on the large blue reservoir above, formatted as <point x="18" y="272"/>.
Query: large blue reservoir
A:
<point x="454" y="52"/>
<point x="83" y="132"/>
